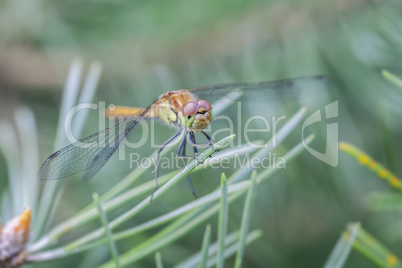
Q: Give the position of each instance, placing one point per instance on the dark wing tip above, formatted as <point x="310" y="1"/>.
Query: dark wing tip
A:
<point x="323" y="77"/>
<point x="52" y="156"/>
<point x="88" y="175"/>
<point x="44" y="170"/>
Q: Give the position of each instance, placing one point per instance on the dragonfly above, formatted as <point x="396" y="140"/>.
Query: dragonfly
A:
<point x="182" y="109"/>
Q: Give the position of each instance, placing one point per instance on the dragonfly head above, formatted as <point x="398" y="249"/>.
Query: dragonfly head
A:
<point x="196" y="115"/>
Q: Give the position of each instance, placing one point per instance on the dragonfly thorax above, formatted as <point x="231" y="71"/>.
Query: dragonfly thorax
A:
<point x="183" y="109"/>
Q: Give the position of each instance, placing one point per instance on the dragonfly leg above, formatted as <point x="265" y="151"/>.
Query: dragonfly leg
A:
<point x="192" y="138"/>
<point x="182" y="147"/>
<point x="158" y="159"/>
<point x="182" y="152"/>
<point x="195" y="151"/>
<point x="212" y="142"/>
<point x="194" y="145"/>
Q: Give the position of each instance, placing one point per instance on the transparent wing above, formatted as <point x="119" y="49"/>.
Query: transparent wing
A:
<point x="89" y="154"/>
<point x="253" y="110"/>
<point x="269" y="87"/>
<point x="303" y="91"/>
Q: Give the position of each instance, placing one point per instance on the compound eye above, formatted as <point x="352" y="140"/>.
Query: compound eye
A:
<point x="190" y="108"/>
<point x="205" y="104"/>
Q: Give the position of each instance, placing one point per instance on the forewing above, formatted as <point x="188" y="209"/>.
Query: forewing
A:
<point x="269" y="88"/>
<point x="241" y="107"/>
<point x="302" y="91"/>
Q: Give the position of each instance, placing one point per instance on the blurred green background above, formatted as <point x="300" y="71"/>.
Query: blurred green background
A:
<point x="149" y="47"/>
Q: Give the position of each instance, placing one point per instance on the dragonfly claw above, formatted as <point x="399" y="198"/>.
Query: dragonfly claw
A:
<point x="199" y="161"/>
<point x="212" y="147"/>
